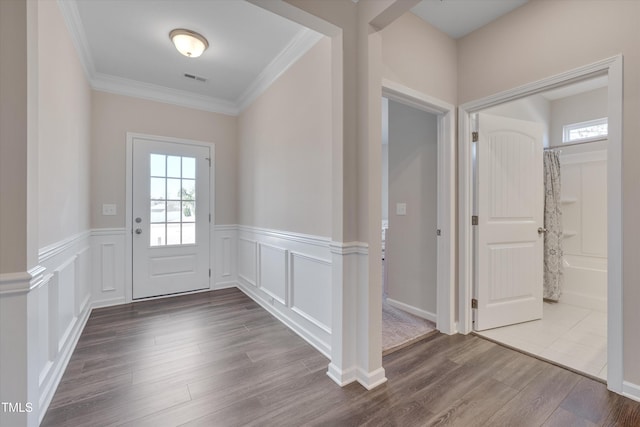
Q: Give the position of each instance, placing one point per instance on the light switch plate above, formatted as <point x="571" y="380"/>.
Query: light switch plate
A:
<point x="108" y="209"/>
<point x="401" y="208"/>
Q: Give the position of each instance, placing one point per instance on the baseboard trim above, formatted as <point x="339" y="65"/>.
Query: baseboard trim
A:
<point x="341" y="377"/>
<point x="371" y="380"/>
<point x="108" y="302"/>
<point x="585" y="301"/>
<point x="631" y="390"/>
<point x="413" y="310"/>
<point x="286" y="320"/>
<point x="65" y="356"/>
<point x="224" y="285"/>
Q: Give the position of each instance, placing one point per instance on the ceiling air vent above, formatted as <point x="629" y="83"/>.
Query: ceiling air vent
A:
<point x="196" y="78"/>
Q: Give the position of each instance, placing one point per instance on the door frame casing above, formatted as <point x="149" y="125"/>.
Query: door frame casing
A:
<point x="129" y="209"/>
<point x="613" y="68"/>
<point x="445" y="112"/>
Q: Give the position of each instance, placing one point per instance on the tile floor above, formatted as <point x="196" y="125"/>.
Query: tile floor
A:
<point x="572" y="336"/>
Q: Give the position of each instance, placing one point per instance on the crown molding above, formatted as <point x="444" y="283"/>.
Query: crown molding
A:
<point x="69" y="10"/>
<point x="299" y="45"/>
<point x="137" y="89"/>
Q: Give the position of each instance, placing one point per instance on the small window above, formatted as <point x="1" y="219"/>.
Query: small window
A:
<point x="585" y="131"/>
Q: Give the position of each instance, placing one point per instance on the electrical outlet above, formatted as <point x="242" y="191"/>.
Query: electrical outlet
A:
<point x="401" y="208"/>
<point x="108" y="209"/>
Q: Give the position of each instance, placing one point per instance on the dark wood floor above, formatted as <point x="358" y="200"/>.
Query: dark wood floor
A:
<point x="218" y="359"/>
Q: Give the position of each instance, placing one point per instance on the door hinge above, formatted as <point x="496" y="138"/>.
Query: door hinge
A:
<point x="474" y="136"/>
<point x="209" y="272"/>
<point x="474" y="220"/>
<point x="209" y="218"/>
<point x="474" y="303"/>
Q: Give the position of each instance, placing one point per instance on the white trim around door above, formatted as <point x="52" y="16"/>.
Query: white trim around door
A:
<point x="446" y="195"/>
<point x="613" y="68"/>
<point x="129" y="205"/>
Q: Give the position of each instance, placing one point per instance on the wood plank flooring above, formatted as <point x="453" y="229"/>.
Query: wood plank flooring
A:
<point x="219" y="359"/>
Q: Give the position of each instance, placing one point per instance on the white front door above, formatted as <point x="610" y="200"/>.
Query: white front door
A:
<point x="510" y="204"/>
<point x="170" y="217"/>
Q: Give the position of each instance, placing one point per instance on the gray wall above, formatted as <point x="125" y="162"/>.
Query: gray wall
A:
<point x="411" y="244"/>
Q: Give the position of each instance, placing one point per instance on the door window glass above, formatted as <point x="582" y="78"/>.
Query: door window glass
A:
<point x="173" y="200"/>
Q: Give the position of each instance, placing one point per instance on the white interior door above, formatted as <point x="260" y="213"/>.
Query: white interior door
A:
<point x="170" y="217"/>
<point x="510" y="204"/>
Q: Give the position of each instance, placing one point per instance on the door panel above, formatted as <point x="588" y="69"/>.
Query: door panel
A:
<point x="171" y="217"/>
<point x="509" y="249"/>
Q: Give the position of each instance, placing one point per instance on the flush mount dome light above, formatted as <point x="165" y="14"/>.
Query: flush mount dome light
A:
<point x="189" y="43"/>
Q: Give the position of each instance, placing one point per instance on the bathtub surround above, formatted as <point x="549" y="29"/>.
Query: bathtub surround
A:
<point x="584" y="195"/>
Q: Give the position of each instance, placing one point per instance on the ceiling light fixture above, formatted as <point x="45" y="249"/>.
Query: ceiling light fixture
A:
<point x="189" y="43"/>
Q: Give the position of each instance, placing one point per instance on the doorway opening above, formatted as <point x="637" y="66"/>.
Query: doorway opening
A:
<point x="409" y="224"/>
<point x="418" y="177"/>
<point x="611" y="69"/>
<point x="169" y="205"/>
<point x="568" y="325"/>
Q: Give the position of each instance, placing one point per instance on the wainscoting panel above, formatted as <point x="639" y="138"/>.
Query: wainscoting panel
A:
<point x="63" y="300"/>
<point x="247" y="258"/>
<point x="289" y="274"/>
<point x="108" y="247"/>
<point x="224" y="256"/>
<point x="65" y="277"/>
<point x="311" y="289"/>
<point x="108" y="267"/>
<point x="83" y="276"/>
<point x="47" y="352"/>
<point x="273" y="271"/>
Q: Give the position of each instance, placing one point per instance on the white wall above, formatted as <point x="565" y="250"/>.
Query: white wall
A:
<point x="63" y="298"/>
<point x="385" y="159"/>
<point x="64" y="132"/>
<point x="385" y="182"/>
<point x="284" y="150"/>
<point x="578" y="108"/>
<point x="418" y="55"/>
<point x="112" y="116"/>
<point x="284" y="198"/>
<point x="411" y="251"/>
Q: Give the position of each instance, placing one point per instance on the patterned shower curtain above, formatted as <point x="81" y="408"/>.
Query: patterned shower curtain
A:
<point x="553" y="270"/>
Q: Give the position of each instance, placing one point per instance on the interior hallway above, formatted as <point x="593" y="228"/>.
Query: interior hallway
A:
<point x="217" y="358"/>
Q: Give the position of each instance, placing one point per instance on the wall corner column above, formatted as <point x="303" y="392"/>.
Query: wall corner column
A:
<point x="19" y="270"/>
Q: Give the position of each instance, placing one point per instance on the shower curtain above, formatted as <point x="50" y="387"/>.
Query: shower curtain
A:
<point x="553" y="271"/>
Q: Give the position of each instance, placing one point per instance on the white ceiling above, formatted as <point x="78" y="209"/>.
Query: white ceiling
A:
<point x="458" y="18"/>
<point x="126" y="49"/>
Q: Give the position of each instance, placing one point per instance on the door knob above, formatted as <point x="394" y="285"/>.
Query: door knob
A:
<point x="138" y="230"/>
<point x="541" y="230"/>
